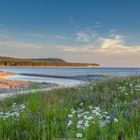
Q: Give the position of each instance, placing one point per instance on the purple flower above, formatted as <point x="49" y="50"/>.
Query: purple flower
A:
<point x="134" y="102"/>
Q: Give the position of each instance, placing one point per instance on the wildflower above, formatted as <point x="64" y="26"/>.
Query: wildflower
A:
<point x="73" y="112"/>
<point x="102" y="123"/>
<point x="80" y="122"/>
<point x="126" y="94"/>
<point x="134" y="102"/>
<point x="90" y="118"/>
<point x="106" y="113"/>
<point x="70" y="115"/>
<point x="90" y="107"/>
<point x="69" y="123"/>
<point x="86" y="124"/>
<point x="80" y="115"/>
<point x="79" y="135"/>
<point x="79" y="126"/>
<point x="80" y="110"/>
<point x="85" y="117"/>
<point x="96" y="113"/>
<point x="115" y="120"/>
<point x="15" y="111"/>
<point x="97" y="108"/>
<point x="108" y="117"/>
<point x="22" y="107"/>
<point x="93" y="111"/>
<point x="86" y="112"/>
<point x="130" y="85"/>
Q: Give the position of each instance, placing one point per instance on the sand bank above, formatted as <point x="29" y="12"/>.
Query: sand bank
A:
<point x="5" y="83"/>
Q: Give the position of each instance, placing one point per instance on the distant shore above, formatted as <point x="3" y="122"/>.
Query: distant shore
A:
<point x="50" y="67"/>
<point x="43" y="62"/>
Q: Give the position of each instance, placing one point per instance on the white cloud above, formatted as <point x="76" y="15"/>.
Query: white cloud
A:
<point x="93" y="35"/>
<point x="78" y="49"/>
<point x="113" y="30"/>
<point x="110" y="51"/>
<point x="112" y="46"/>
<point x="37" y="35"/>
<point x="3" y="29"/>
<point x="115" y="45"/>
<point x="59" y="37"/>
<point x="12" y="43"/>
<point x="97" y="24"/>
<point x="81" y="37"/>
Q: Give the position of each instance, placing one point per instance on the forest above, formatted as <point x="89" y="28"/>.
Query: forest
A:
<point x="41" y="62"/>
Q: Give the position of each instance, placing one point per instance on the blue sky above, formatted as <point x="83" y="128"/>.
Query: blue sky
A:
<point x="101" y="31"/>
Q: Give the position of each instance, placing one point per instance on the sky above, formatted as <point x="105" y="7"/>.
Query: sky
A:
<point x="106" y="32"/>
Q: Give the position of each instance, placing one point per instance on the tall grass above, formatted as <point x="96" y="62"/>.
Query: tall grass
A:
<point x="55" y="114"/>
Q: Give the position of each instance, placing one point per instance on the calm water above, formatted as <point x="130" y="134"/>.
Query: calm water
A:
<point x="76" y="71"/>
<point x="67" y="71"/>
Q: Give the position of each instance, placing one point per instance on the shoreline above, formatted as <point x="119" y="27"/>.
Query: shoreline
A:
<point x="86" y="77"/>
<point x="25" y="87"/>
<point x="6" y="83"/>
<point x="10" y="88"/>
<point x="86" y="67"/>
<point x="5" y="75"/>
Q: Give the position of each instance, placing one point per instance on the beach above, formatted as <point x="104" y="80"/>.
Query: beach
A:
<point x="10" y="87"/>
<point x="5" y="83"/>
<point x="12" y="83"/>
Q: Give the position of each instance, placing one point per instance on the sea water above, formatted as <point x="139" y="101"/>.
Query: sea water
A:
<point x="67" y="72"/>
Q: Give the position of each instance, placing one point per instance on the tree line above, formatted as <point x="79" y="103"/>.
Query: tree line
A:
<point x="5" y="61"/>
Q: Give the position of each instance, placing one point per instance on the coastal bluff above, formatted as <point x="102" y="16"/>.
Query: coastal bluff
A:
<point x="42" y="62"/>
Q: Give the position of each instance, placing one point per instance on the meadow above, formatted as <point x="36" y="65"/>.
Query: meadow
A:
<point x="98" y="111"/>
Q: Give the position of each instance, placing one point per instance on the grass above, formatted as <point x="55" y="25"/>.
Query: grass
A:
<point x="102" y="111"/>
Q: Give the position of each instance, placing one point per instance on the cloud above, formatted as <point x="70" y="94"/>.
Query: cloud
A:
<point x="107" y="51"/>
<point x="97" y="24"/>
<point x="7" y="42"/>
<point x="110" y="51"/>
<point x="37" y="35"/>
<point x="113" y="30"/>
<point x="16" y="48"/>
<point x="76" y="49"/>
<point x="81" y="37"/>
<point x="3" y="29"/>
<point x="74" y="24"/>
<point x="112" y="46"/>
<point x="59" y="37"/>
<point x="116" y="46"/>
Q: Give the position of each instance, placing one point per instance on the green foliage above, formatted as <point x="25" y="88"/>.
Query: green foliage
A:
<point x="48" y="62"/>
<point x="46" y="114"/>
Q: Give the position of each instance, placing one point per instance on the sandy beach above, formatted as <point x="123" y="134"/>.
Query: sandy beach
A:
<point x="10" y="88"/>
<point x="5" y="83"/>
